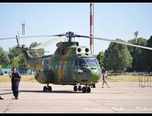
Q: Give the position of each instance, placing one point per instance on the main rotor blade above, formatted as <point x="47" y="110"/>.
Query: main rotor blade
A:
<point x="116" y="41"/>
<point x="29" y="36"/>
<point x="7" y="38"/>
<point x="38" y="36"/>
<point x="45" y="44"/>
<point x="38" y="51"/>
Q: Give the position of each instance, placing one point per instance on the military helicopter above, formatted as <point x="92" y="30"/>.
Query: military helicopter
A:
<point x="70" y="64"/>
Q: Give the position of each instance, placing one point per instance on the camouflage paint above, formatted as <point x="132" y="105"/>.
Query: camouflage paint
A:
<point x="59" y="68"/>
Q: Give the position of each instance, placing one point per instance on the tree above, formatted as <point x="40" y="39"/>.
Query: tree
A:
<point x="149" y="55"/>
<point x="16" y="57"/>
<point x="15" y="62"/>
<point x="117" y="57"/>
<point x="100" y="58"/>
<point x="138" y="54"/>
<point x="4" y="59"/>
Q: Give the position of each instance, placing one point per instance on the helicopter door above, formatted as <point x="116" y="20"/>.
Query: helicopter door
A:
<point x="77" y="69"/>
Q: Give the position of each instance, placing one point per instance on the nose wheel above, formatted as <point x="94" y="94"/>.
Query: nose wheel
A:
<point x="84" y="89"/>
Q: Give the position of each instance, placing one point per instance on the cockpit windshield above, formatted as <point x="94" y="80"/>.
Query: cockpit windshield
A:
<point x="88" y="61"/>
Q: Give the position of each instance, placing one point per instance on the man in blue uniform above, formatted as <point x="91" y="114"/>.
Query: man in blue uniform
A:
<point x="15" y="80"/>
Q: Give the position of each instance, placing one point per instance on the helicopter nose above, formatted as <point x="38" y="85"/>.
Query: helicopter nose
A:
<point x="96" y="74"/>
<point x="90" y="74"/>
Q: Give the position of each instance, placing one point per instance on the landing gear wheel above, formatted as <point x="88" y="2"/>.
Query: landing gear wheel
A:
<point x="84" y="90"/>
<point x="44" y="88"/>
<point x="93" y="86"/>
<point x="79" y="88"/>
<point x="88" y="90"/>
<point x="75" y="88"/>
<point x="49" y="88"/>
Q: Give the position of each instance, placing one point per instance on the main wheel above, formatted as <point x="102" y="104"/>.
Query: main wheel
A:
<point x="80" y="89"/>
<point x="49" y="88"/>
<point x="44" y="88"/>
<point x="93" y="85"/>
<point x="75" y="88"/>
<point x="84" y="89"/>
<point x="88" y="90"/>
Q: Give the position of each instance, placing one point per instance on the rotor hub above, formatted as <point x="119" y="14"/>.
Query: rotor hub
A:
<point x="70" y="35"/>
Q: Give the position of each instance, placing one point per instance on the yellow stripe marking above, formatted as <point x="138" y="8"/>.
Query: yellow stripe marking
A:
<point x="60" y="71"/>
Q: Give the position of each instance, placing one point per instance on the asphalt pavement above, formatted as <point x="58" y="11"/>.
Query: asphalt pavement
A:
<point x="126" y="97"/>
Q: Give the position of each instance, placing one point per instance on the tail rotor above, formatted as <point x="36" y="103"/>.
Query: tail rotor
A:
<point x="18" y="45"/>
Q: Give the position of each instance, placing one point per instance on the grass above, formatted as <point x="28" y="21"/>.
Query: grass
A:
<point x="129" y="78"/>
<point x="25" y="78"/>
<point x="117" y="78"/>
<point x="124" y="78"/>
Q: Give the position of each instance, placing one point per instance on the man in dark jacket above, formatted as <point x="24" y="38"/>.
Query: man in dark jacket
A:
<point x="15" y="80"/>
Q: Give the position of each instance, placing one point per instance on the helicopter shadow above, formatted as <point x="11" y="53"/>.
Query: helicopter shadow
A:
<point x="40" y="91"/>
<point x="55" y="91"/>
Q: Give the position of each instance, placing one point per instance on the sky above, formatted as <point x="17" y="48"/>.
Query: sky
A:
<point x="111" y="20"/>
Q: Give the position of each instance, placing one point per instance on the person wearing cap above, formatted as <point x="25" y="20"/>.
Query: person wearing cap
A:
<point x="15" y="80"/>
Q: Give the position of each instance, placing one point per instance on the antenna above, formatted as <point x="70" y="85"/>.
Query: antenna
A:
<point x="91" y="27"/>
<point x="23" y="30"/>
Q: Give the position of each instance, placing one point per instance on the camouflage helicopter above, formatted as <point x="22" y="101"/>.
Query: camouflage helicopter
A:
<point x="70" y="64"/>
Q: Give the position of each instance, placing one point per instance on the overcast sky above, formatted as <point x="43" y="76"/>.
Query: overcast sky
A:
<point x="111" y="20"/>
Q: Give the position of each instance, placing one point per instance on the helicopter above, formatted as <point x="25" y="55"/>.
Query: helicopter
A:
<point x="71" y="64"/>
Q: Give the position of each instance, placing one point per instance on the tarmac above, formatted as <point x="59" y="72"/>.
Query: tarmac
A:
<point x="126" y="97"/>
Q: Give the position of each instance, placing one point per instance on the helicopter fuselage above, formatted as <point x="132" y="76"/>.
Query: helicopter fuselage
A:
<point x="69" y="65"/>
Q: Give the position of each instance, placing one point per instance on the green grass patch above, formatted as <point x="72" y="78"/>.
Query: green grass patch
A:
<point x="25" y="78"/>
<point x="127" y="78"/>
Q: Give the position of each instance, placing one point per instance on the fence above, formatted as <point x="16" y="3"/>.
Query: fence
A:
<point x="145" y="81"/>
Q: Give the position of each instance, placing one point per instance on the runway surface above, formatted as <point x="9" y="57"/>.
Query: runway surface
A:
<point x="119" y="98"/>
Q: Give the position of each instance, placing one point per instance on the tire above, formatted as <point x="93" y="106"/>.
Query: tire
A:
<point x="84" y="90"/>
<point x="49" y="88"/>
<point x="88" y="90"/>
<point x="80" y="89"/>
<point x="44" y="88"/>
<point x="75" y="88"/>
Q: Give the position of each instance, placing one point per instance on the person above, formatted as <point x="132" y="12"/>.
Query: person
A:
<point x="15" y="80"/>
<point x="105" y="76"/>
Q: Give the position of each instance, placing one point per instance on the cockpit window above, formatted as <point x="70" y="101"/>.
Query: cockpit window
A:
<point x="88" y="61"/>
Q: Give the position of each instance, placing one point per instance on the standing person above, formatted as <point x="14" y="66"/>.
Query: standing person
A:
<point x="105" y="76"/>
<point x="15" y="80"/>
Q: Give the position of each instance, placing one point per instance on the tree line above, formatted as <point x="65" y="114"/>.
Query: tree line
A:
<point x="14" y="57"/>
<point x="120" y="58"/>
